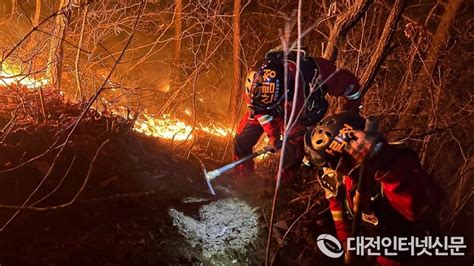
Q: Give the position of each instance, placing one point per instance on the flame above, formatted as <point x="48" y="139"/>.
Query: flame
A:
<point x="214" y="130"/>
<point x="166" y="127"/>
<point x="11" y="74"/>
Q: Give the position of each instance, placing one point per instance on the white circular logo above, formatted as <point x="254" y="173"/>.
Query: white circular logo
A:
<point x="329" y="245"/>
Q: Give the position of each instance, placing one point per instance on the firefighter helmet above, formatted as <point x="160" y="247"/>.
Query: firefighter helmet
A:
<point x="267" y="89"/>
<point x="327" y="141"/>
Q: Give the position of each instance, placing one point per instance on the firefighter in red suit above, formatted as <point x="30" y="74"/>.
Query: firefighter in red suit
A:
<point x="402" y="198"/>
<point x="265" y="98"/>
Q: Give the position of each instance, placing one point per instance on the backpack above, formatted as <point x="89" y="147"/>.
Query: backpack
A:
<point x="316" y="105"/>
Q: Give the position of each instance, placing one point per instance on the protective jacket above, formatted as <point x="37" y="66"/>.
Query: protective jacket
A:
<point x="318" y="77"/>
<point x="404" y="198"/>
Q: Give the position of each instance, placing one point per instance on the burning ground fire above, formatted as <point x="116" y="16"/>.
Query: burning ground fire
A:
<point x="168" y="127"/>
<point x="11" y="75"/>
<point x="165" y="126"/>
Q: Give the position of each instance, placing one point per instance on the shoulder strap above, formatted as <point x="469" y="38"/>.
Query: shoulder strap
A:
<point x="292" y="52"/>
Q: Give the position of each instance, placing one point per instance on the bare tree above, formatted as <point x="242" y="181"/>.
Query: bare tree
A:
<point x="37" y="13"/>
<point x="55" y="60"/>
<point x="236" y="89"/>
<point x="424" y="77"/>
<point x="383" y="45"/>
<point x="343" y="24"/>
<point x="178" y="28"/>
<point x="80" y="91"/>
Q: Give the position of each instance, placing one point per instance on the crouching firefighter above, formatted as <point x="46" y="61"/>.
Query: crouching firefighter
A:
<point x="364" y="176"/>
<point x="265" y="98"/>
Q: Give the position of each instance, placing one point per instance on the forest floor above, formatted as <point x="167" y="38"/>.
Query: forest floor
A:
<point x="141" y="204"/>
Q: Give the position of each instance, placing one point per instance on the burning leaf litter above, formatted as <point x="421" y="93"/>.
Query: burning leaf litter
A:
<point x="164" y="127"/>
<point x="168" y="127"/>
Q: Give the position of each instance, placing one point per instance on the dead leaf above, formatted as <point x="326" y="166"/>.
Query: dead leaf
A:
<point x="282" y="225"/>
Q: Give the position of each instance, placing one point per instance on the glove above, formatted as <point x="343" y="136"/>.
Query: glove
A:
<point x="275" y="144"/>
<point x="364" y="147"/>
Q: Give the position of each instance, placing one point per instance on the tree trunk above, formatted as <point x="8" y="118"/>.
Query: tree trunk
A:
<point x="178" y="12"/>
<point x="56" y="49"/>
<point x="236" y="90"/>
<point x="36" y="18"/>
<point x="176" y="74"/>
<point x="78" y="55"/>
<point x="344" y="23"/>
<point x="423" y="80"/>
<point x="12" y="14"/>
<point x="383" y="45"/>
<point x="31" y="45"/>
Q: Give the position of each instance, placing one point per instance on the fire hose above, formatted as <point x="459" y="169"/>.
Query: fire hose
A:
<point x="211" y="175"/>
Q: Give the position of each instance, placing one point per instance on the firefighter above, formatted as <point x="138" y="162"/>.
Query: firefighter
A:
<point x="402" y="198"/>
<point x="265" y="98"/>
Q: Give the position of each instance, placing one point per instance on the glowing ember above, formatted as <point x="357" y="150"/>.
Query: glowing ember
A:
<point x="164" y="86"/>
<point x="10" y="75"/>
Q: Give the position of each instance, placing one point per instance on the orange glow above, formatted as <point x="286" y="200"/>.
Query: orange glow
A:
<point x="164" y="86"/>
